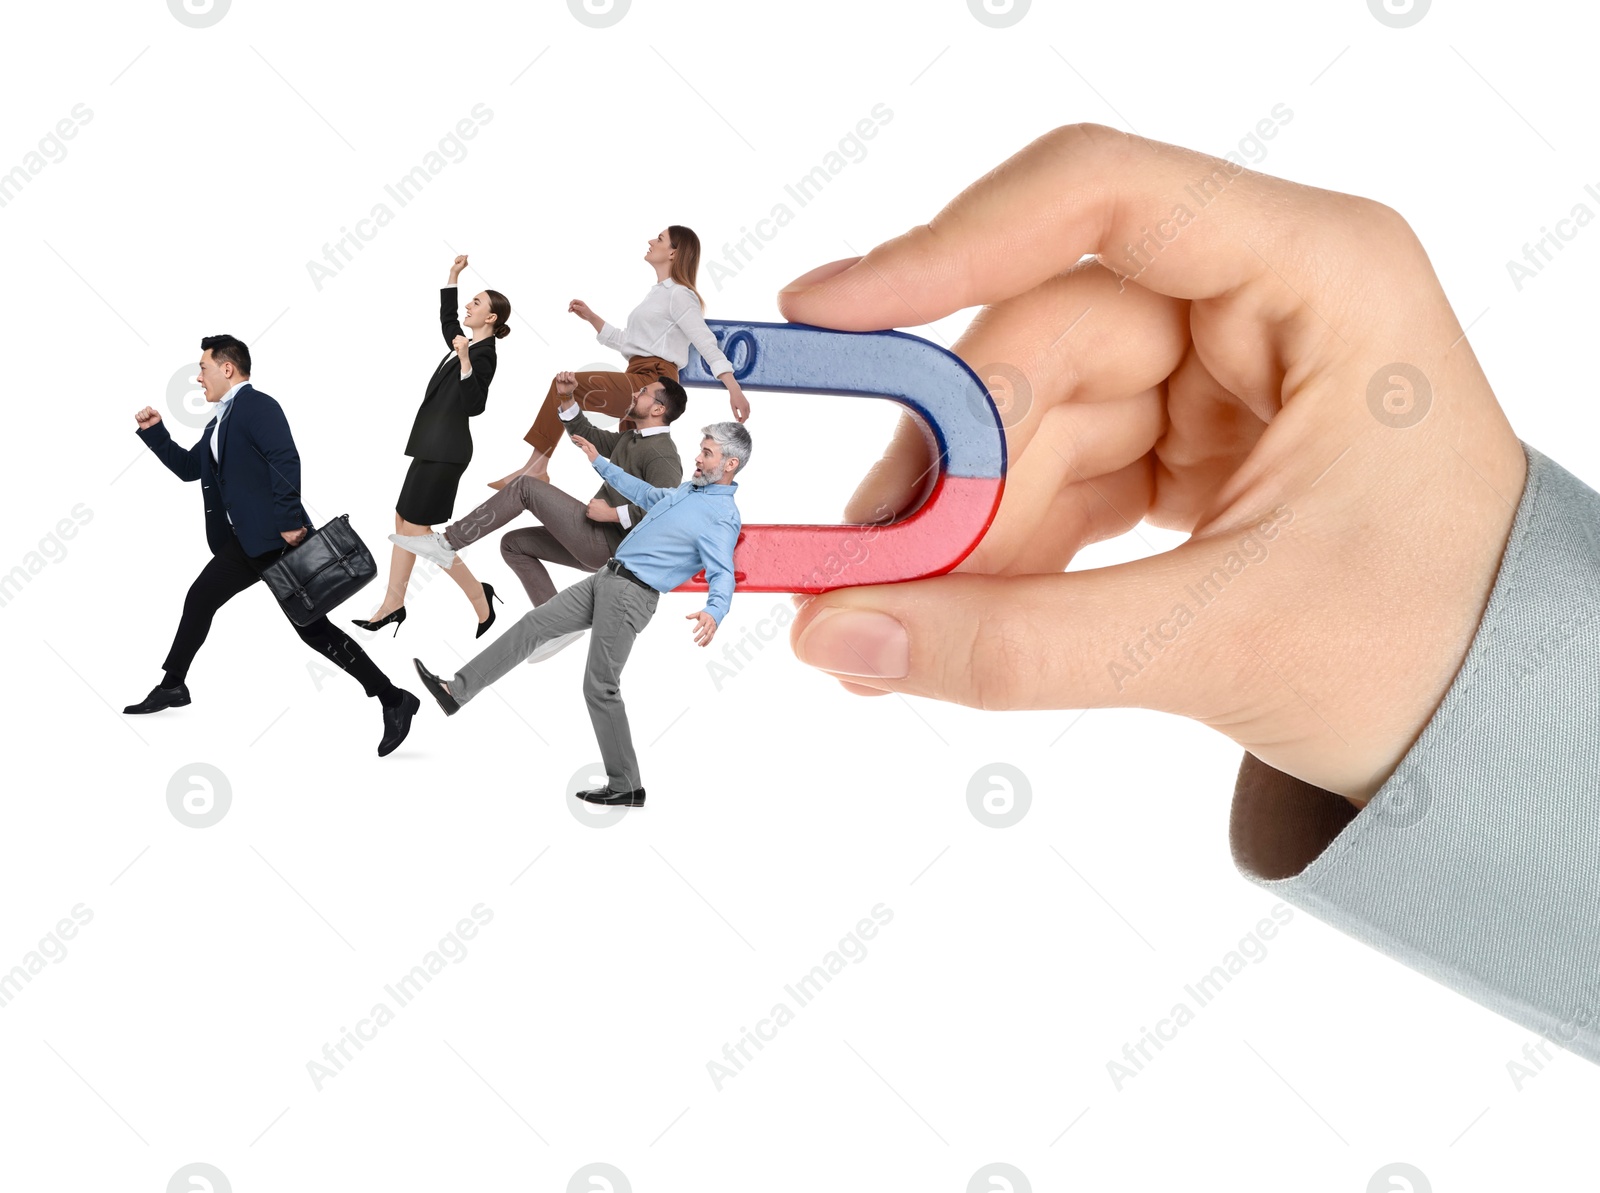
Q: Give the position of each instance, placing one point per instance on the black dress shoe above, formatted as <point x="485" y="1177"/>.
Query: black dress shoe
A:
<point x="397" y="722"/>
<point x="435" y="686"/>
<point x="604" y="795"/>
<point x="160" y="698"/>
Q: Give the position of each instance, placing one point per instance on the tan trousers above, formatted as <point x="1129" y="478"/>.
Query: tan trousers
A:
<point x="607" y="393"/>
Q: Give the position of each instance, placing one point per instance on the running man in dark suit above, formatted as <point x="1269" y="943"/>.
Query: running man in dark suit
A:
<point x="249" y="474"/>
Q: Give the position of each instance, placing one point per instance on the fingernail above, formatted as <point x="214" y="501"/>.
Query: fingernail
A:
<point x="856" y="642"/>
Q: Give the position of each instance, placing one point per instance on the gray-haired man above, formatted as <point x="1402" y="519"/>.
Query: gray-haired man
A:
<point x="693" y="526"/>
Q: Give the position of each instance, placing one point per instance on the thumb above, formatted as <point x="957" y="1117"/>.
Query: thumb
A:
<point x="808" y="293"/>
<point x="1166" y="632"/>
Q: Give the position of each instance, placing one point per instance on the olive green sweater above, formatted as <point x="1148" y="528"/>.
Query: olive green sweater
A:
<point x="653" y="458"/>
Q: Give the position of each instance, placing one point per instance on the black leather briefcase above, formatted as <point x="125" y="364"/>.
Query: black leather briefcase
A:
<point x="321" y="572"/>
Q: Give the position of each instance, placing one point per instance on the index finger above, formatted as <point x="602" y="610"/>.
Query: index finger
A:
<point x="1181" y="223"/>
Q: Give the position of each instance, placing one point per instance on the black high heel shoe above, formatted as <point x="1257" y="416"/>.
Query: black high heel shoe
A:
<point x="396" y="617"/>
<point x="489" y="598"/>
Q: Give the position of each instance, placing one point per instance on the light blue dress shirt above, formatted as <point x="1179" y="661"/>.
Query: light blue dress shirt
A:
<point x="683" y="530"/>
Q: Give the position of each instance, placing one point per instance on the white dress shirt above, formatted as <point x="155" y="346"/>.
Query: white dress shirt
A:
<point x="570" y="412"/>
<point x="664" y="325"/>
<point x="222" y="410"/>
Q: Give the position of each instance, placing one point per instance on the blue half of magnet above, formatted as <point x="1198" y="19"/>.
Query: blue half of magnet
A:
<point x="937" y="384"/>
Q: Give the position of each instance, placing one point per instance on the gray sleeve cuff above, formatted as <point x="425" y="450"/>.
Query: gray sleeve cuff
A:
<point x="1478" y="862"/>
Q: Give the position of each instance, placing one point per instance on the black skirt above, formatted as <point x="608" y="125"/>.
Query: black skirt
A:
<point x="429" y="493"/>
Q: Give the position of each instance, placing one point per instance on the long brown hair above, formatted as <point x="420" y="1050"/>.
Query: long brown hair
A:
<point x="686" y="262"/>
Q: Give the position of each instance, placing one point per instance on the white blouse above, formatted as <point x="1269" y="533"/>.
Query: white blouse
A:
<point x="664" y="325"/>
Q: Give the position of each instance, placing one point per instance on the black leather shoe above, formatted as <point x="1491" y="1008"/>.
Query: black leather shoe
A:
<point x="436" y="688"/>
<point x="397" y="722"/>
<point x="604" y="795"/>
<point x="160" y="698"/>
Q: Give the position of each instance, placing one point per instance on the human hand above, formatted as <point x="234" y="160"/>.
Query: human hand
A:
<point x="459" y="264"/>
<point x="461" y="344"/>
<point x="581" y="309"/>
<point x="601" y="510"/>
<point x="736" y="399"/>
<point x="566" y="383"/>
<point x="705" y="627"/>
<point x="147" y="418"/>
<point x="1276" y="371"/>
<point x="587" y="448"/>
<point x="293" y="537"/>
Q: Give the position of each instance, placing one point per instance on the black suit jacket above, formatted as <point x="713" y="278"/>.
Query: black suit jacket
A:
<point x="440" y="430"/>
<point x="257" y="480"/>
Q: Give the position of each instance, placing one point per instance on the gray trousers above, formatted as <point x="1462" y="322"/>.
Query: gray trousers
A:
<point x="567" y="536"/>
<point x="617" y="609"/>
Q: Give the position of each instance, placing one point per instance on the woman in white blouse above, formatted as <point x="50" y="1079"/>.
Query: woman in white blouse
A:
<point x="655" y="342"/>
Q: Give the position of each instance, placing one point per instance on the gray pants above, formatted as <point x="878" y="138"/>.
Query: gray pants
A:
<point x="617" y="609"/>
<point x="567" y="537"/>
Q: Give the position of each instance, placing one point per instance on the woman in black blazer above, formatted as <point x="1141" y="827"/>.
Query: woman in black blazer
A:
<point x="440" y="446"/>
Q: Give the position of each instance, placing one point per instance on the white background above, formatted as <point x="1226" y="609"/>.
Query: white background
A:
<point x="619" y="961"/>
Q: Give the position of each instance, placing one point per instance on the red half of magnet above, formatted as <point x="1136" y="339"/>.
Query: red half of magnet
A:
<point x="810" y="558"/>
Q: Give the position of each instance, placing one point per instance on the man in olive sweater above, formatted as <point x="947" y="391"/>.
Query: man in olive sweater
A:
<point x="570" y="533"/>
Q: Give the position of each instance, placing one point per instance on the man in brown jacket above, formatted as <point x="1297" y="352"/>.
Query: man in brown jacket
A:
<point x="571" y="533"/>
